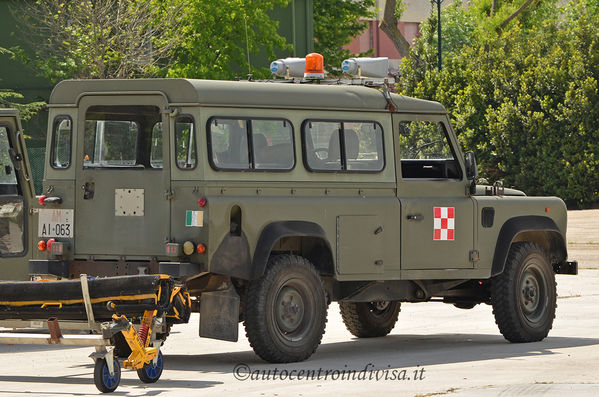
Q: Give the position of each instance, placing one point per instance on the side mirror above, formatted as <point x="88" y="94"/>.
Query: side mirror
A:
<point x="471" y="168"/>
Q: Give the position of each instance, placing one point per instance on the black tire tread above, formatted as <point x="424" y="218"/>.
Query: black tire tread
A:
<point x="254" y="316"/>
<point x="359" y="326"/>
<point x="504" y="302"/>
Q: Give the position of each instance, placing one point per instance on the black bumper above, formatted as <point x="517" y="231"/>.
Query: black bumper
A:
<point x="568" y="267"/>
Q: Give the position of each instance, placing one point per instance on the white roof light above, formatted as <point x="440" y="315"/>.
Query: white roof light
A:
<point x="366" y="67"/>
<point x="288" y="67"/>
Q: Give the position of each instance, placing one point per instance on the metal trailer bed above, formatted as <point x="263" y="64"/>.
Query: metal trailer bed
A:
<point x="23" y="304"/>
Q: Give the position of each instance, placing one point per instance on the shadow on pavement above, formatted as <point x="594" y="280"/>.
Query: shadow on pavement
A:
<point x="393" y="351"/>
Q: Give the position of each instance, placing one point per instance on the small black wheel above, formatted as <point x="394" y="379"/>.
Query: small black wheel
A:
<point x="369" y="319"/>
<point x="102" y="379"/>
<point x="524" y="296"/>
<point x="286" y="310"/>
<point x="150" y="373"/>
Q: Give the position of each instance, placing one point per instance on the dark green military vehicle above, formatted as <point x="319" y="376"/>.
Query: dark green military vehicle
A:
<point x="267" y="201"/>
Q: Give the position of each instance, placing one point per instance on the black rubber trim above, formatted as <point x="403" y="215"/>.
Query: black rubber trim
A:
<point x="275" y="231"/>
<point x="44" y="266"/>
<point x="514" y="226"/>
<point x="181" y="269"/>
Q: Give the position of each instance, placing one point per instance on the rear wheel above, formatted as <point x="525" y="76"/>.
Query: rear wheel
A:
<point x="150" y="373"/>
<point x="369" y="319"/>
<point x="524" y="297"/>
<point x="286" y="310"/>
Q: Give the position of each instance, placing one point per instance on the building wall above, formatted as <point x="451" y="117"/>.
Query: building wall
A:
<point x="409" y="25"/>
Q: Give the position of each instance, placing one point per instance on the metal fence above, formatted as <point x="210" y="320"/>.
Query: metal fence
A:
<point x="37" y="157"/>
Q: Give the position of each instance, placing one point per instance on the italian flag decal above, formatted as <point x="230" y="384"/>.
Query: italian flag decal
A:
<point x="194" y="218"/>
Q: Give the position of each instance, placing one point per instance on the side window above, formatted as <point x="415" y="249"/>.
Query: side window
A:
<point x="343" y="146"/>
<point x="185" y="143"/>
<point x="123" y="137"/>
<point x="425" y="151"/>
<point x="272" y="142"/>
<point x="62" y="133"/>
<point x="229" y="145"/>
<point x="156" y="149"/>
<point x="271" y="146"/>
<point x="8" y="177"/>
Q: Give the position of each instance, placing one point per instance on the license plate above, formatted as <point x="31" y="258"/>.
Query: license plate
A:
<point x="55" y="223"/>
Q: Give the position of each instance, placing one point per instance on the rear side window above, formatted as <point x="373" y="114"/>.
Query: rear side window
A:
<point x="251" y="144"/>
<point x="185" y="142"/>
<point x="354" y="146"/>
<point x="123" y="137"/>
<point x="62" y="133"/>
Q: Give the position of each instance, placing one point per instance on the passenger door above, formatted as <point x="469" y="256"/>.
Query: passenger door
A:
<point x="16" y="194"/>
<point x="122" y="207"/>
<point x="437" y="214"/>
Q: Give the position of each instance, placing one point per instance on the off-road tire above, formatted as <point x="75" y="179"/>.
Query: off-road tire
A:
<point x="524" y="296"/>
<point x="369" y="319"/>
<point x="286" y="310"/>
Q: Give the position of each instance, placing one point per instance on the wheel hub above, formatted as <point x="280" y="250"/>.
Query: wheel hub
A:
<point x="290" y="309"/>
<point x="529" y="288"/>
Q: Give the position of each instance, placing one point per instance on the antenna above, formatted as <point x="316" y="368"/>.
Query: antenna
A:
<point x="247" y="44"/>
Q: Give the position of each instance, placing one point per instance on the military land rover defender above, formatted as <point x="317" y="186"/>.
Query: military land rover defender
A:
<point x="267" y="201"/>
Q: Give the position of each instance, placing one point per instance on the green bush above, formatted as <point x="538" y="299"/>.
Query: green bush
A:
<point x="525" y="99"/>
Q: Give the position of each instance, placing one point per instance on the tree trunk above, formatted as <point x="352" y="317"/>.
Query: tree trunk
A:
<point x="516" y="13"/>
<point x="389" y="26"/>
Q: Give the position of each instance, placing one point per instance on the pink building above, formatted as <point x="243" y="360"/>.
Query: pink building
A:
<point x="373" y="37"/>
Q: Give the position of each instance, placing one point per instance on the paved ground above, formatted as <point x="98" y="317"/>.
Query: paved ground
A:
<point x="442" y="349"/>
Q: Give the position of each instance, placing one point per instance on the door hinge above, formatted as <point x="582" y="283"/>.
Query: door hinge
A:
<point x="474" y="256"/>
<point x="169" y="194"/>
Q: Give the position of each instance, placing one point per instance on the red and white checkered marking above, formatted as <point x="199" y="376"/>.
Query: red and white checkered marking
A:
<point x="444" y="223"/>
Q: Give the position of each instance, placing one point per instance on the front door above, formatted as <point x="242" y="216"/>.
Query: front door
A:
<point x="16" y="190"/>
<point x="437" y="214"/>
<point x="123" y="175"/>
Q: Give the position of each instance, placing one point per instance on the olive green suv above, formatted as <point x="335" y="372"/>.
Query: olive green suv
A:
<point x="267" y="201"/>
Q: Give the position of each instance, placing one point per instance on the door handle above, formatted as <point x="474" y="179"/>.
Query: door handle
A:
<point x="415" y="217"/>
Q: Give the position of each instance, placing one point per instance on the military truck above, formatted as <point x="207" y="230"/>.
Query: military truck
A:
<point x="268" y="200"/>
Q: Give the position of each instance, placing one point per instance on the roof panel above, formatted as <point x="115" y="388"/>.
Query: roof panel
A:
<point x="235" y="93"/>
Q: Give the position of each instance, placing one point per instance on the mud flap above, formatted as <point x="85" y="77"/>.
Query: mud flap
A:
<point x="219" y="315"/>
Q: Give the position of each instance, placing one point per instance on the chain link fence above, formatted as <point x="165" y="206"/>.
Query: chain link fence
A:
<point x="37" y="157"/>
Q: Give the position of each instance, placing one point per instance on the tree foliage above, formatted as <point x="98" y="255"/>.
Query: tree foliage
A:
<point x="525" y="98"/>
<point x="336" y="24"/>
<point x="98" y="38"/>
<point x="13" y="99"/>
<point x="218" y="35"/>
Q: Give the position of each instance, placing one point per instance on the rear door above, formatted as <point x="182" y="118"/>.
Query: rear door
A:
<point x="122" y="207"/>
<point x="16" y="194"/>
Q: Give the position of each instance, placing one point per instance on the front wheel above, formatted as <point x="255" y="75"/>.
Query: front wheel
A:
<point x="150" y="373"/>
<point x="286" y="310"/>
<point x="105" y="382"/>
<point x="369" y="319"/>
<point x="524" y="297"/>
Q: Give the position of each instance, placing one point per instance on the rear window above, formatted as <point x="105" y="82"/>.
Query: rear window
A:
<point x="251" y="144"/>
<point x="123" y="137"/>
